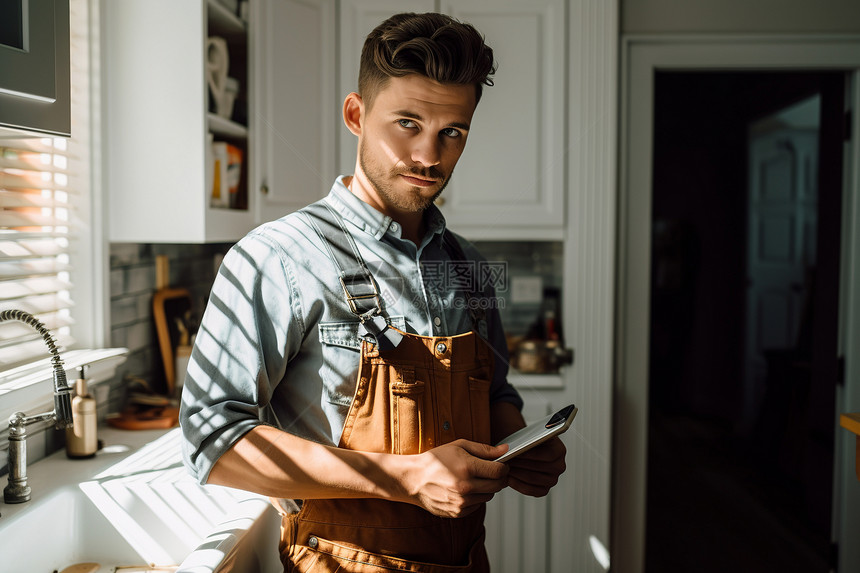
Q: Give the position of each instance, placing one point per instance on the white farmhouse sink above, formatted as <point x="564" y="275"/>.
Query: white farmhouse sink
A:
<point x="133" y="505"/>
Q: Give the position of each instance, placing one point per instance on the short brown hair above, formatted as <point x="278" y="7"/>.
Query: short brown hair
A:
<point x="433" y="45"/>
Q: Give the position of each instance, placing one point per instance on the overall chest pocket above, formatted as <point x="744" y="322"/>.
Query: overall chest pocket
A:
<point x="341" y="355"/>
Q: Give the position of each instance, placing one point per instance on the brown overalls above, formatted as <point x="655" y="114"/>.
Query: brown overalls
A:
<point x="419" y="393"/>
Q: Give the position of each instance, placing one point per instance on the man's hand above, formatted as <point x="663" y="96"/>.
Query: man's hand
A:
<point x="454" y="479"/>
<point x="533" y="472"/>
<point x="536" y="471"/>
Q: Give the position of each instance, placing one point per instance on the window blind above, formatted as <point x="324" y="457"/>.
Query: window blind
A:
<point x="45" y="219"/>
<point x="36" y="227"/>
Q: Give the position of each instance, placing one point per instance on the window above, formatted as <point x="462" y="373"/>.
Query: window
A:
<point x="34" y="244"/>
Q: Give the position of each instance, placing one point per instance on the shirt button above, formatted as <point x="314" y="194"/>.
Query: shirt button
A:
<point x="437" y="321"/>
<point x="394" y="227"/>
<point x="446" y="425"/>
<point x="441" y="348"/>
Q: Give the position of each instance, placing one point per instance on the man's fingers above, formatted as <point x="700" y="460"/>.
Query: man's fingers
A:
<point x="529" y="489"/>
<point x="549" y="451"/>
<point x="482" y="465"/>
<point x="483" y="451"/>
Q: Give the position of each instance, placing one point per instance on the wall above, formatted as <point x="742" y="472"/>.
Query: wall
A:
<point x="525" y="259"/>
<point x="132" y="285"/>
<point x="740" y="16"/>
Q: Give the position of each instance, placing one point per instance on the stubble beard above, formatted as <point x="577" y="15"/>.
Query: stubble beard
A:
<point x="383" y="182"/>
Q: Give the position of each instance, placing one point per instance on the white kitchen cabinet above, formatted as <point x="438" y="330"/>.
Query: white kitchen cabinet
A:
<point x="296" y="106"/>
<point x="35" y="97"/>
<point x="357" y="19"/>
<point x="509" y="182"/>
<point x="158" y="126"/>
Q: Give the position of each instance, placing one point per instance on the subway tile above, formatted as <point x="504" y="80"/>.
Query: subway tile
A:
<point x="123" y="254"/>
<point x="141" y="363"/>
<point x="117" y="282"/>
<point x="139" y="279"/>
<point x="118" y="337"/>
<point x="130" y="308"/>
<point x="133" y="336"/>
<point x="35" y="445"/>
<point x="55" y="440"/>
<point x="139" y="335"/>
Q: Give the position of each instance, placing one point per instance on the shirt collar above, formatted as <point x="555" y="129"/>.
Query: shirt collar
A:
<point x="371" y="221"/>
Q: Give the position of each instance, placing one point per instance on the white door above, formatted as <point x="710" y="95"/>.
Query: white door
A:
<point x="781" y="248"/>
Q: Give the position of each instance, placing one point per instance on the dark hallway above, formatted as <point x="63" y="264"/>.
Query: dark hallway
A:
<point x="741" y="399"/>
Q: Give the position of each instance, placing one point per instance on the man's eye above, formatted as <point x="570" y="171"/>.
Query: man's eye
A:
<point x="451" y="132"/>
<point x="408" y="123"/>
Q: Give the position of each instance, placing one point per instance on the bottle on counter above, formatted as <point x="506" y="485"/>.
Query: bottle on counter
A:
<point x="81" y="438"/>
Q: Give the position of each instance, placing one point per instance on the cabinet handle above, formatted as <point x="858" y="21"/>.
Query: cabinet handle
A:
<point x="264" y="189"/>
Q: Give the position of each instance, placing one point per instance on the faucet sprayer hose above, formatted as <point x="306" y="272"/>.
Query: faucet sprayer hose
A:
<point x="28" y="318"/>
<point x="62" y="400"/>
<point x="62" y="391"/>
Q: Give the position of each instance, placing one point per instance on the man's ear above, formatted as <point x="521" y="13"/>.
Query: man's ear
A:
<point x="353" y="113"/>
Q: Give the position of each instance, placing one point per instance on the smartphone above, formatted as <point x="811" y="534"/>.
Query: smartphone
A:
<point x="537" y="433"/>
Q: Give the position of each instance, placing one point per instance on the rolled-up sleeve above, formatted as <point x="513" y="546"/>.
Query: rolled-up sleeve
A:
<point x="251" y="328"/>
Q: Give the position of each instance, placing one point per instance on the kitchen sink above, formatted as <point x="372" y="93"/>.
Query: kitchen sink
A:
<point x="133" y="505"/>
<point x="66" y="528"/>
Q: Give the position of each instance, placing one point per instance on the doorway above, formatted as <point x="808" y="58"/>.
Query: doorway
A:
<point x="745" y="243"/>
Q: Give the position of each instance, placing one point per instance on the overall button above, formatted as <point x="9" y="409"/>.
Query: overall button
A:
<point x="394" y="227"/>
<point x="446" y="425"/>
<point x="441" y="348"/>
<point x="313" y="542"/>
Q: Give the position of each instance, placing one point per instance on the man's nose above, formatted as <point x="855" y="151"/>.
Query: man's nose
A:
<point x="427" y="150"/>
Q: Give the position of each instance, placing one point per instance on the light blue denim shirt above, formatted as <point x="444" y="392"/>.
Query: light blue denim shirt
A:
<point x="278" y="344"/>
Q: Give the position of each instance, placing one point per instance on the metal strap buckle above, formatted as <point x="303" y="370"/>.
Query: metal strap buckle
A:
<point x="350" y="298"/>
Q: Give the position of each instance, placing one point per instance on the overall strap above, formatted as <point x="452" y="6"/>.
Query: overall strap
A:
<point x="359" y="288"/>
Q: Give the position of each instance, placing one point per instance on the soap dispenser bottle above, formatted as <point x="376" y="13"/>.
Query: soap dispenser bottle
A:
<point x="81" y="439"/>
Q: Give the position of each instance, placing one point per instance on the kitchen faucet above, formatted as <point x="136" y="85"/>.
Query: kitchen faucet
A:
<point x="17" y="491"/>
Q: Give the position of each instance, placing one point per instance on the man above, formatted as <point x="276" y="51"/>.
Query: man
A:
<point x="336" y="372"/>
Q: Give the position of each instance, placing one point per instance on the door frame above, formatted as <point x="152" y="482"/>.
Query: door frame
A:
<point x="641" y="57"/>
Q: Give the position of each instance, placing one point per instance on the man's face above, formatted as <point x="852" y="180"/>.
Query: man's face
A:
<point x="410" y="141"/>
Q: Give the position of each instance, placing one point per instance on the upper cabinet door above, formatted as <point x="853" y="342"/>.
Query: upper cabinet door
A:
<point x="509" y="182"/>
<point x="357" y="19"/>
<point x="296" y="110"/>
<point x="176" y="148"/>
<point x="34" y="56"/>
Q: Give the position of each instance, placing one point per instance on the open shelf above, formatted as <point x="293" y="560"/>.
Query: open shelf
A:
<point x="224" y="23"/>
<point x="224" y="127"/>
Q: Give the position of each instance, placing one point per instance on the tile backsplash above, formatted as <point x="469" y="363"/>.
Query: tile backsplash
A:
<point x="525" y="260"/>
<point x="132" y="284"/>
